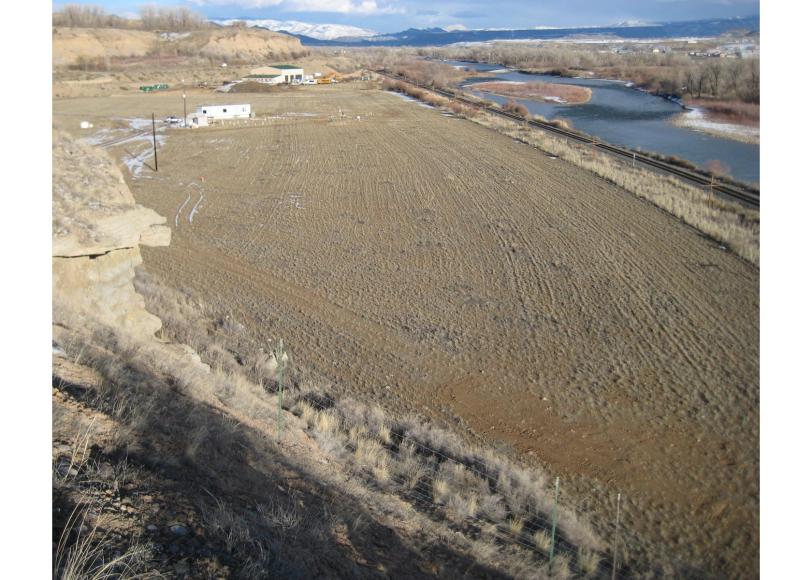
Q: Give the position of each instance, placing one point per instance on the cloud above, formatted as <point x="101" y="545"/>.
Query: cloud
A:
<point x="468" y="14"/>
<point x="336" y="6"/>
<point x="341" y="6"/>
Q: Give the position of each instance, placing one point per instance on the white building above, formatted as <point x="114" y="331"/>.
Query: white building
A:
<point x="195" y="120"/>
<point x="265" y="79"/>
<point x="224" y="111"/>
<point x="277" y="74"/>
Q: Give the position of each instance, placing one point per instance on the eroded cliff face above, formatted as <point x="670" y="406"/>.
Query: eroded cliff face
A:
<point x="97" y="228"/>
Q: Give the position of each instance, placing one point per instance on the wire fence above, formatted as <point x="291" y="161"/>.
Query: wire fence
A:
<point x="530" y="523"/>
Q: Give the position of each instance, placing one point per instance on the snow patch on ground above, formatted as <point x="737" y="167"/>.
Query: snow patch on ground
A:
<point x="135" y="163"/>
<point x="180" y="209"/>
<point x="410" y="99"/>
<point x="195" y="208"/>
<point x="695" y="119"/>
<point x="102" y="135"/>
<point x="138" y="124"/>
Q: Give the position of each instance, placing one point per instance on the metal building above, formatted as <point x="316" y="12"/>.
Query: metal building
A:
<point x="225" y="111"/>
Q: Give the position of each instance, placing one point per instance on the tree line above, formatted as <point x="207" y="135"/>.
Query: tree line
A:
<point x="179" y="19"/>
<point x="671" y="73"/>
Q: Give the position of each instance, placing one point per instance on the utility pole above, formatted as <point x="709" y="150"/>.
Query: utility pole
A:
<point x="154" y="143"/>
<point x="617" y="535"/>
<point x="184" y="109"/>
<point x="555" y="521"/>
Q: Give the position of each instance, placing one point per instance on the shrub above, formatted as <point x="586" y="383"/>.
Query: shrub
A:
<point x="516" y="108"/>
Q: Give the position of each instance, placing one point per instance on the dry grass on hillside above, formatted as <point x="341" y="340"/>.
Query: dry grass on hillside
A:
<point x="215" y="428"/>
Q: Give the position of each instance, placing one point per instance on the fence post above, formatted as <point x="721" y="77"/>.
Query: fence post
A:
<point x="280" y="386"/>
<point x="281" y="362"/>
<point x="555" y="521"/>
<point x="154" y="143"/>
<point x="617" y="535"/>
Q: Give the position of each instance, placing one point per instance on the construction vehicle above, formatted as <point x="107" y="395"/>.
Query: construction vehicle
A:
<point x="151" y="88"/>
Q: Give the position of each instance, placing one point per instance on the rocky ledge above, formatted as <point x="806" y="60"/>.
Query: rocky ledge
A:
<point x="97" y="228"/>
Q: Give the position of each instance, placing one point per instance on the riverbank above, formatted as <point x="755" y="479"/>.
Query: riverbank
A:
<point x="537" y="91"/>
<point x="704" y="121"/>
<point x="626" y="114"/>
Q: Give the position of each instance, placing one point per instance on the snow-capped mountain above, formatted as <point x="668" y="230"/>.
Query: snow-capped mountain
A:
<point x="320" y="31"/>
<point x="634" y="24"/>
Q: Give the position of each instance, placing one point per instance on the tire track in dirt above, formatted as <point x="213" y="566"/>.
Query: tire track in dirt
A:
<point x="601" y="331"/>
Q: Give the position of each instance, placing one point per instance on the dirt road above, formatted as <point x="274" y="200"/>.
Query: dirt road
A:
<point x="436" y="266"/>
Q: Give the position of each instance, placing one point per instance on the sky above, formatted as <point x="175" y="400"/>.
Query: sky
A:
<point x="396" y="15"/>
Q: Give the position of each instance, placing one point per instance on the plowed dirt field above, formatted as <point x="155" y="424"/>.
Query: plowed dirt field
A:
<point x="434" y="265"/>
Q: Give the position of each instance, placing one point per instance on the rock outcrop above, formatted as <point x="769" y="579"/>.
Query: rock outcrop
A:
<point x="97" y="228"/>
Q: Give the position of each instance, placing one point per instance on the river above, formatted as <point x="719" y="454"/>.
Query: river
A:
<point x="630" y="117"/>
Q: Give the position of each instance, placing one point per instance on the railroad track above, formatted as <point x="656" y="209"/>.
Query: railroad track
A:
<point x="745" y="196"/>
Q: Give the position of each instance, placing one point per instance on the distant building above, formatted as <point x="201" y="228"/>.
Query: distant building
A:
<point x="276" y="79"/>
<point x="195" y="120"/>
<point x="224" y="111"/>
<point x="277" y="74"/>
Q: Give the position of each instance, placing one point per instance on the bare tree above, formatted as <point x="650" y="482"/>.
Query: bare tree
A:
<point x="713" y="71"/>
<point x="734" y="73"/>
<point x="87" y="16"/>
<point x="170" y="19"/>
<point x="690" y="79"/>
<point x="703" y="80"/>
<point x="753" y="79"/>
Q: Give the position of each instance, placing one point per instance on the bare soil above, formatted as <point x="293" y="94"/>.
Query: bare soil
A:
<point x="436" y="266"/>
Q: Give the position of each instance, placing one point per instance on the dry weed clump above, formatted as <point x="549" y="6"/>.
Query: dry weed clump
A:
<point x="515" y="525"/>
<point x="588" y="562"/>
<point x="542" y="540"/>
<point x="306" y="412"/>
<point x="516" y="109"/>
<point x="326" y="422"/>
<point x="86" y="551"/>
<point x="463" y="506"/>
<point x="440" y="490"/>
<point x="562" y="567"/>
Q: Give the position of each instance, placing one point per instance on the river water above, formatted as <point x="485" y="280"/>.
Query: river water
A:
<point x="632" y="118"/>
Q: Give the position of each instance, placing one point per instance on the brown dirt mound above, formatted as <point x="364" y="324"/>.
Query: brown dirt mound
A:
<point x="72" y="44"/>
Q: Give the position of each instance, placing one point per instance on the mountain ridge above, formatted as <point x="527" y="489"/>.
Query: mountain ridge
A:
<point x="625" y="31"/>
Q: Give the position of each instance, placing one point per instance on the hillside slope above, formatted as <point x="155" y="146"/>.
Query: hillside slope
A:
<point x="176" y="462"/>
<point x="73" y="45"/>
